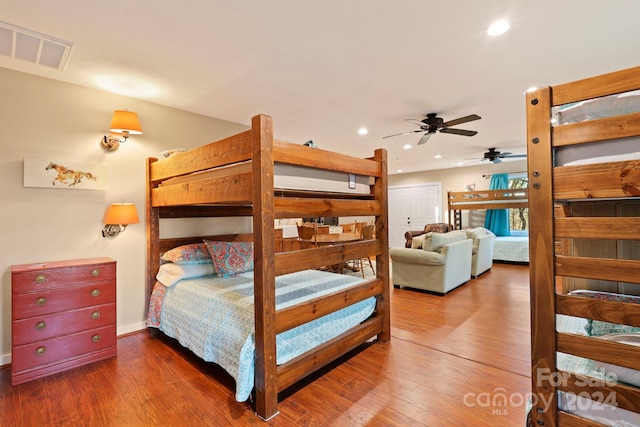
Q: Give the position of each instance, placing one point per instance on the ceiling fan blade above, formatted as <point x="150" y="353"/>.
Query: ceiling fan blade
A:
<point x="513" y="156"/>
<point x="496" y="160"/>
<point x="506" y="154"/>
<point x="403" y="133"/>
<point x="459" y="131"/>
<point x="425" y="138"/>
<point x="416" y="121"/>
<point x="461" y="120"/>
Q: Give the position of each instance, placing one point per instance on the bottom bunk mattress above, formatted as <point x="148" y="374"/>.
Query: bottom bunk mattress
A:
<point x="511" y="249"/>
<point x="598" y="407"/>
<point x="214" y="318"/>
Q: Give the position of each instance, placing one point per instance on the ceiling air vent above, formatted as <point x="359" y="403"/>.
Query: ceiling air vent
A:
<point x="20" y="43"/>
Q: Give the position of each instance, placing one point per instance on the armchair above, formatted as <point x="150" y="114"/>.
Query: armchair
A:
<point x="438" y="227"/>
<point x="443" y="266"/>
<point x="482" y="252"/>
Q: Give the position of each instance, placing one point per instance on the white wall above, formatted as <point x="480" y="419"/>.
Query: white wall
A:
<point x="457" y="179"/>
<point x="48" y="119"/>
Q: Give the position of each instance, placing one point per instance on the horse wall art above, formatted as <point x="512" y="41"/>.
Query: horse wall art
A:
<point x="53" y="174"/>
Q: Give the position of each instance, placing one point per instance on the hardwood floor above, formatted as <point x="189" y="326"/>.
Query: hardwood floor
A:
<point x="452" y="361"/>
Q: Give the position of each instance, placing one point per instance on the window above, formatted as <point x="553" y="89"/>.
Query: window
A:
<point x="518" y="217"/>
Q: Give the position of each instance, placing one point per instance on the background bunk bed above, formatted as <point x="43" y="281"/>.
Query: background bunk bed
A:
<point x="235" y="177"/>
<point x="506" y="248"/>
<point x="585" y="254"/>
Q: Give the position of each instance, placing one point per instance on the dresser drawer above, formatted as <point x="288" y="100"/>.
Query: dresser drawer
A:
<point x="54" y="300"/>
<point x="25" y="279"/>
<point x="55" y="350"/>
<point x="36" y="329"/>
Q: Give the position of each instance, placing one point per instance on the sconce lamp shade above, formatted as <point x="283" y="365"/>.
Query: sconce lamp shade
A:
<point x="121" y="214"/>
<point x="125" y="122"/>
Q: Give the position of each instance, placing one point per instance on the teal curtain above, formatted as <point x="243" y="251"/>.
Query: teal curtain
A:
<point x="497" y="220"/>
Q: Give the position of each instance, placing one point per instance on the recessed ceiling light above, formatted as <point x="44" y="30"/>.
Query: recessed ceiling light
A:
<point x="363" y="131"/>
<point x="407" y="146"/>
<point x="460" y="164"/>
<point x="531" y="89"/>
<point x="498" y="27"/>
<point x="399" y="170"/>
<point x="437" y="156"/>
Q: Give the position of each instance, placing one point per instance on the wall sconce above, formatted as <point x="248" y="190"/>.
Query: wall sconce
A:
<point x="118" y="216"/>
<point x="125" y="123"/>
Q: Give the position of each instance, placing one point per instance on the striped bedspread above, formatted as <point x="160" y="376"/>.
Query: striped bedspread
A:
<point x="214" y="318"/>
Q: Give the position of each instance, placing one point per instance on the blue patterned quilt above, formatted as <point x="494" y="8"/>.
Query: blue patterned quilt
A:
<point x="214" y="318"/>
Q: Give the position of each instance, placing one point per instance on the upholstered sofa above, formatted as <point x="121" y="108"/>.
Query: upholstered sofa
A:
<point x="438" y="227"/>
<point x="442" y="263"/>
<point x="482" y="251"/>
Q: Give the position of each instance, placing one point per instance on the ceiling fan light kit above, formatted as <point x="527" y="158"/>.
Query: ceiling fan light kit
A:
<point x="495" y="156"/>
<point x="432" y="124"/>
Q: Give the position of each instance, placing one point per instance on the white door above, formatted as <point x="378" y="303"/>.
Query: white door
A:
<point x="411" y="208"/>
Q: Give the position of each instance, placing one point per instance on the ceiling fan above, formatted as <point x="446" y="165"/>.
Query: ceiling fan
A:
<point x="433" y="124"/>
<point x="495" y="156"/>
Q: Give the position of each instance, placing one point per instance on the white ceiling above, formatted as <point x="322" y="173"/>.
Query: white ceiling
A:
<point x="323" y="69"/>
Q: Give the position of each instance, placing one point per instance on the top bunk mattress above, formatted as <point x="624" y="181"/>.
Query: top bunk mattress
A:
<point x="598" y="108"/>
<point x="291" y="177"/>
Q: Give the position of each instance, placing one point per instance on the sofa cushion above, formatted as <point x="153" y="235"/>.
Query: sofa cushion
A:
<point x="475" y="233"/>
<point x="438" y="240"/>
<point x="417" y="241"/>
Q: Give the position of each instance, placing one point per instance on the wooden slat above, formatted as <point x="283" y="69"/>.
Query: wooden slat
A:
<point x="297" y="315"/>
<point x="598" y="309"/>
<point x="616" y="228"/>
<point x="301" y="155"/>
<point x="602" y="180"/>
<point x="594" y="87"/>
<point x="488" y="205"/>
<point x="289" y="262"/>
<point x="236" y="148"/>
<point x="307" y="363"/>
<point x="597" y="130"/>
<point x="301" y="207"/>
<point x="570" y="420"/>
<point x="598" y="349"/>
<point x="541" y="244"/>
<point x="601" y="391"/>
<point x="225" y="189"/>
<point x="615" y="270"/>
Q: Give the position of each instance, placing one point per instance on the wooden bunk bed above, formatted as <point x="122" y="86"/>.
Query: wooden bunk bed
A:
<point x="513" y="249"/>
<point x="235" y="177"/>
<point x="585" y="255"/>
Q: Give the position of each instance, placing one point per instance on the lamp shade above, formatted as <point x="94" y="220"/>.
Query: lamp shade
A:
<point x="125" y="122"/>
<point x="121" y="213"/>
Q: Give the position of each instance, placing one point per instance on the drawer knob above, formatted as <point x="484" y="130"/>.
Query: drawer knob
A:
<point x="95" y="314"/>
<point x="95" y="338"/>
<point x="40" y="278"/>
<point x="41" y="325"/>
<point x="95" y="272"/>
<point x="95" y="292"/>
<point x="41" y="301"/>
<point x="41" y="350"/>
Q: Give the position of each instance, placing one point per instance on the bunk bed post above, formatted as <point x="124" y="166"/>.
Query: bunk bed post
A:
<point x="382" y="234"/>
<point x="266" y="381"/>
<point x="152" y="219"/>
<point x="541" y="248"/>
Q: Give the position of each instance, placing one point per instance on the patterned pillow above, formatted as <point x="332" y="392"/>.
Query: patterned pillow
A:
<point x="196" y="253"/>
<point x="231" y="258"/>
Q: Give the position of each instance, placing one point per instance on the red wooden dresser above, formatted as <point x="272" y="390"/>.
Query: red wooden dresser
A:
<point x="63" y="316"/>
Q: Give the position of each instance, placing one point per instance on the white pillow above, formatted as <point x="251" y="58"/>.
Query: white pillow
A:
<point x="438" y="240"/>
<point x="627" y="375"/>
<point x="170" y="273"/>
